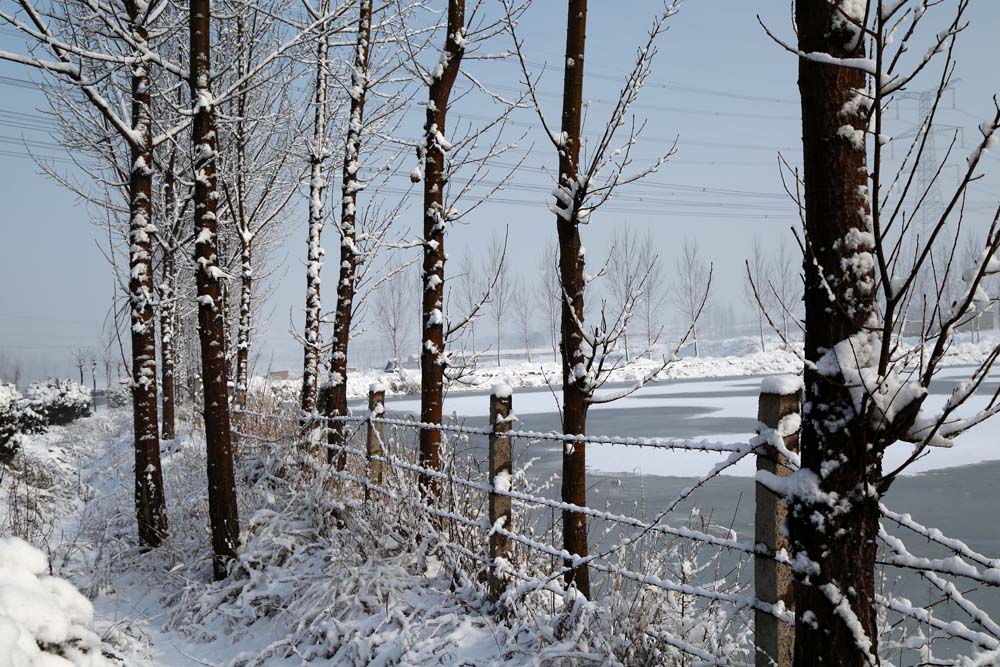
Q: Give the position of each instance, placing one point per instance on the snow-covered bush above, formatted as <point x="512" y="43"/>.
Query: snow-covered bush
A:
<point x="119" y="397"/>
<point x="59" y="401"/>
<point x="17" y="417"/>
<point x="44" y="619"/>
<point x="402" y="382"/>
<point x="10" y="397"/>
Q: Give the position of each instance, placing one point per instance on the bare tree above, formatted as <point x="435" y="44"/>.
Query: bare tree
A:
<point x="471" y="285"/>
<point x="757" y="298"/>
<point x="785" y="286"/>
<point x="550" y="294"/>
<point x="256" y="174"/>
<point x="394" y="309"/>
<point x="625" y="274"/>
<point x="80" y="359"/>
<point x="170" y="245"/>
<point x="317" y="188"/>
<point x="99" y="53"/>
<point x="501" y="294"/>
<point x="523" y="310"/>
<point x="434" y="147"/>
<point x="222" y="510"/>
<point x="865" y="386"/>
<point x="378" y="89"/>
<point x="582" y="188"/>
<point x="692" y="286"/>
<point x="655" y="293"/>
<point x="443" y="158"/>
<point x="350" y="185"/>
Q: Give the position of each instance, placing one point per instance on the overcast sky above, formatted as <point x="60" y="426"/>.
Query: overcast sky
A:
<point x="719" y="86"/>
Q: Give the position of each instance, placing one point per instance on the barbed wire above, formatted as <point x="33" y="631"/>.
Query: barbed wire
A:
<point x="932" y="570"/>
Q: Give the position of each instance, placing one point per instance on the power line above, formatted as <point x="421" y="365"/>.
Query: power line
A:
<point x="591" y="73"/>
<point x="19" y="316"/>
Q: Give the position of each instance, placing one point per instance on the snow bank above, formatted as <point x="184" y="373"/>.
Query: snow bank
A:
<point x="522" y="375"/>
<point x="735" y="357"/>
<point x="43" y="619"/>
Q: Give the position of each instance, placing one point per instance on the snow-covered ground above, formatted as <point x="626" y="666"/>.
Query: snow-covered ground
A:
<point x="320" y="580"/>
<point x="323" y="580"/>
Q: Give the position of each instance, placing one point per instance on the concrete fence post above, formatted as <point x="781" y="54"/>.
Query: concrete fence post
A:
<point x="501" y="470"/>
<point x="376" y="410"/>
<point x="778" y="410"/>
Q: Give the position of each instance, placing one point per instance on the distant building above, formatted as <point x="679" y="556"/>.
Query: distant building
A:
<point x="278" y="375"/>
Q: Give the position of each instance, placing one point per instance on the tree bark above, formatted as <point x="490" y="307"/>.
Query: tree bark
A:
<point x="348" y="232"/>
<point x="244" y="231"/>
<point x="314" y="259"/>
<point x="218" y="437"/>
<point x="168" y="321"/>
<point x="571" y="265"/>
<point x="150" y="505"/>
<point x="243" y="330"/>
<point x="168" y="308"/>
<point x="841" y="542"/>
<point x="432" y="351"/>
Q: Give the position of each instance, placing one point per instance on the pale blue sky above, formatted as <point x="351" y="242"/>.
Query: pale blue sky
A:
<point x="718" y="83"/>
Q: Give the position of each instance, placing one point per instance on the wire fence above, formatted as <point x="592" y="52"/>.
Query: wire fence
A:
<point x="704" y="580"/>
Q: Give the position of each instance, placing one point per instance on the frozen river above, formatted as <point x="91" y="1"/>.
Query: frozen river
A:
<point x="718" y="409"/>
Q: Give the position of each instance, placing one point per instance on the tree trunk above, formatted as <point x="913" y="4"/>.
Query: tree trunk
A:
<point x="432" y="352"/>
<point x="218" y="437"/>
<point x="571" y="265"/>
<point x="840" y="543"/>
<point x="168" y="306"/>
<point x="314" y="260"/>
<point x="168" y="321"/>
<point x="227" y="320"/>
<point x="348" y="233"/>
<point x="243" y="330"/>
<point x="150" y="505"/>
<point x="245" y="233"/>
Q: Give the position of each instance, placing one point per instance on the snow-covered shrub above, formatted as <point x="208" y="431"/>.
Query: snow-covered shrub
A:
<point x="10" y="397"/>
<point x="119" y="396"/>
<point x="402" y="381"/>
<point x="59" y="401"/>
<point x="17" y="418"/>
<point x="43" y="619"/>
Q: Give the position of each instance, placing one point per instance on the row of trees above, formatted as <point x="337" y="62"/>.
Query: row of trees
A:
<point x="210" y="174"/>
<point x="192" y="177"/>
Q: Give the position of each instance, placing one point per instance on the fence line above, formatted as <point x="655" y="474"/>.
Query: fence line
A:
<point x="653" y="443"/>
<point x="775" y="449"/>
